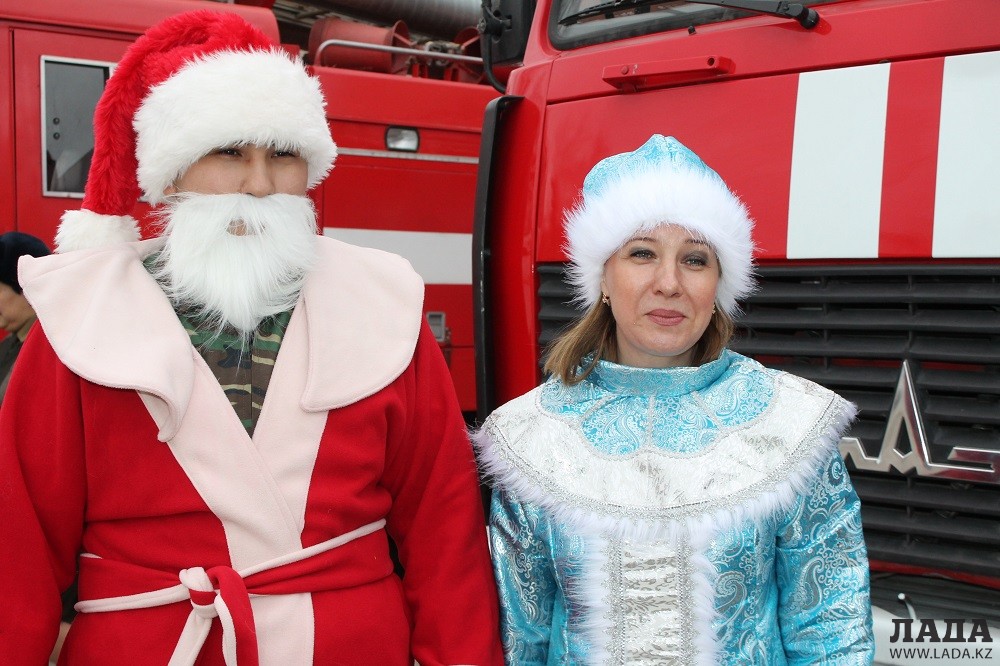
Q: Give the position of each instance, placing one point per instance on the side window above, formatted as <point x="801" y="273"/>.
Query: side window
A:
<point x="70" y="90"/>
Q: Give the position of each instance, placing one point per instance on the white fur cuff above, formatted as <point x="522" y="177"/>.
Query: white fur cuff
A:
<point x="82" y="229"/>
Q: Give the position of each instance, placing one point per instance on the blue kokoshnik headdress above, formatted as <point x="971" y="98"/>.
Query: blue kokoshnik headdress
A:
<point x="661" y="182"/>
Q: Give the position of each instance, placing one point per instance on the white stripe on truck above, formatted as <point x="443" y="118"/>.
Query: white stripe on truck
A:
<point x="439" y="258"/>
<point x="836" y="176"/>
<point x="967" y="197"/>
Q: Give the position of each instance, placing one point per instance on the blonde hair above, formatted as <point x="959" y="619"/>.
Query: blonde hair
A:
<point x="594" y="334"/>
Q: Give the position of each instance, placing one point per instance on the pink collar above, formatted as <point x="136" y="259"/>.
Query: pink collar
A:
<point x="110" y="323"/>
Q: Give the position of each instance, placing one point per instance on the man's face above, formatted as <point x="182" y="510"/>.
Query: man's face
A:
<point x="15" y="311"/>
<point x="240" y="235"/>
<point x="250" y="169"/>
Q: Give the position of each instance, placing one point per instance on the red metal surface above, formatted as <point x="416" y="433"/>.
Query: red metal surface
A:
<point x="404" y="100"/>
<point x="709" y="119"/>
<point x="432" y="190"/>
<point x="456" y="301"/>
<point x="513" y="231"/>
<point x="462" y="362"/>
<point x="911" y="146"/>
<point x="741" y="122"/>
<point x="894" y="567"/>
<point x="127" y="17"/>
<point x="757" y="115"/>
<point x="635" y="76"/>
<point x="357" y="58"/>
<point x="373" y="193"/>
<point x="7" y="164"/>
<point x="867" y="31"/>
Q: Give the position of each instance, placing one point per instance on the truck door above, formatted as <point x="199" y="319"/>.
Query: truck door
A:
<point x="57" y="79"/>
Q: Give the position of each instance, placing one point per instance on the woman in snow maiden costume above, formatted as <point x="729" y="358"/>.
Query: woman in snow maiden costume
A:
<point x="661" y="499"/>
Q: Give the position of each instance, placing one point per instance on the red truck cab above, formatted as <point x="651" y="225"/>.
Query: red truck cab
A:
<point x="866" y="149"/>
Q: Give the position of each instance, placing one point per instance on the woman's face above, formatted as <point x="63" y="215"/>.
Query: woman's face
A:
<point x="661" y="284"/>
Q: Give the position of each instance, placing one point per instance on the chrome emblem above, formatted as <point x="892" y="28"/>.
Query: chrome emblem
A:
<point x="906" y="412"/>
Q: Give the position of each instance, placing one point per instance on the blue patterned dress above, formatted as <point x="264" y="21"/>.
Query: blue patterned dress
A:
<point x="678" y="516"/>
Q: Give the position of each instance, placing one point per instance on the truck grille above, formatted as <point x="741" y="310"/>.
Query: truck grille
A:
<point x="852" y="328"/>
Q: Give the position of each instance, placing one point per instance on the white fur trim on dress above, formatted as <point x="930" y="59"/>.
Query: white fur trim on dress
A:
<point x="592" y="594"/>
<point x="83" y="229"/>
<point x="704" y="577"/>
<point x="230" y="98"/>
<point x="699" y="202"/>
<point x="515" y="467"/>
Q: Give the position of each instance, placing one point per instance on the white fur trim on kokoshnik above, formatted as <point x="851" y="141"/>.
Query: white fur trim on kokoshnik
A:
<point x="662" y="182"/>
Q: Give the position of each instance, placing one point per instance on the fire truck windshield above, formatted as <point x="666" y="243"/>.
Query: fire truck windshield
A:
<point x="576" y="23"/>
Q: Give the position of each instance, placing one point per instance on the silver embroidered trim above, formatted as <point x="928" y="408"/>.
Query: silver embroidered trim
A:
<point x="749" y="461"/>
<point x="650" y="615"/>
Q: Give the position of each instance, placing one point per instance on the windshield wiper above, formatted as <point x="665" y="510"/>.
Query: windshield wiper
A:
<point x="807" y="18"/>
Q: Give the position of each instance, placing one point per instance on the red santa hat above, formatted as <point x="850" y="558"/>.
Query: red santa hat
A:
<point x="193" y="83"/>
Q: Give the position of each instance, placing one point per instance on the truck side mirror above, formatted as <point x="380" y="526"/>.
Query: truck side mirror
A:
<point x="504" y="27"/>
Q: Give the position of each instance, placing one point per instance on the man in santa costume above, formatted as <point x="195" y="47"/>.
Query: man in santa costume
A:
<point x="223" y="426"/>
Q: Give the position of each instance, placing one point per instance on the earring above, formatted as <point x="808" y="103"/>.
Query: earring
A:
<point x="605" y="299"/>
<point x="713" y="309"/>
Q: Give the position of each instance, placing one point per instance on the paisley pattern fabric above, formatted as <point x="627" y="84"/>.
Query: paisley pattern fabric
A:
<point x="621" y="408"/>
<point x="773" y="571"/>
<point x="536" y="553"/>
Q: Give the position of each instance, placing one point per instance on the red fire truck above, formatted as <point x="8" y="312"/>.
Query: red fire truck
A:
<point x="862" y="134"/>
<point x="407" y="122"/>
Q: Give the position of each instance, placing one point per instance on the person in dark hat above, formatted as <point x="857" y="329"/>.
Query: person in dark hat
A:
<point x="16" y="313"/>
<point x="239" y="415"/>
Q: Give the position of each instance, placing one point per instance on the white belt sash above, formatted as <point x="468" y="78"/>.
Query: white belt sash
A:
<point x="217" y="592"/>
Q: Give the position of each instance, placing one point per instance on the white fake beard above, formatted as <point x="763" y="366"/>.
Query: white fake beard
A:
<point x="236" y="281"/>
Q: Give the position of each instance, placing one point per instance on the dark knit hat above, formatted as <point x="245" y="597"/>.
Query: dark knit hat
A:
<point x="13" y="246"/>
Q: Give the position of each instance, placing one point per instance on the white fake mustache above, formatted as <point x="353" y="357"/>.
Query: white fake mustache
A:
<point x="235" y="259"/>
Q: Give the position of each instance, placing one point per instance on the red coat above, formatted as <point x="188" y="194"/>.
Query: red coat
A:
<point x="116" y="440"/>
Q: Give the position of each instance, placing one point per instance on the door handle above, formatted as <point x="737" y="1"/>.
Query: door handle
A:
<point x="632" y="77"/>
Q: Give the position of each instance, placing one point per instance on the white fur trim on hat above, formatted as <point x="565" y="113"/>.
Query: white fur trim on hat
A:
<point x="694" y="199"/>
<point x="82" y="229"/>
<point x="230" y="98"/>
